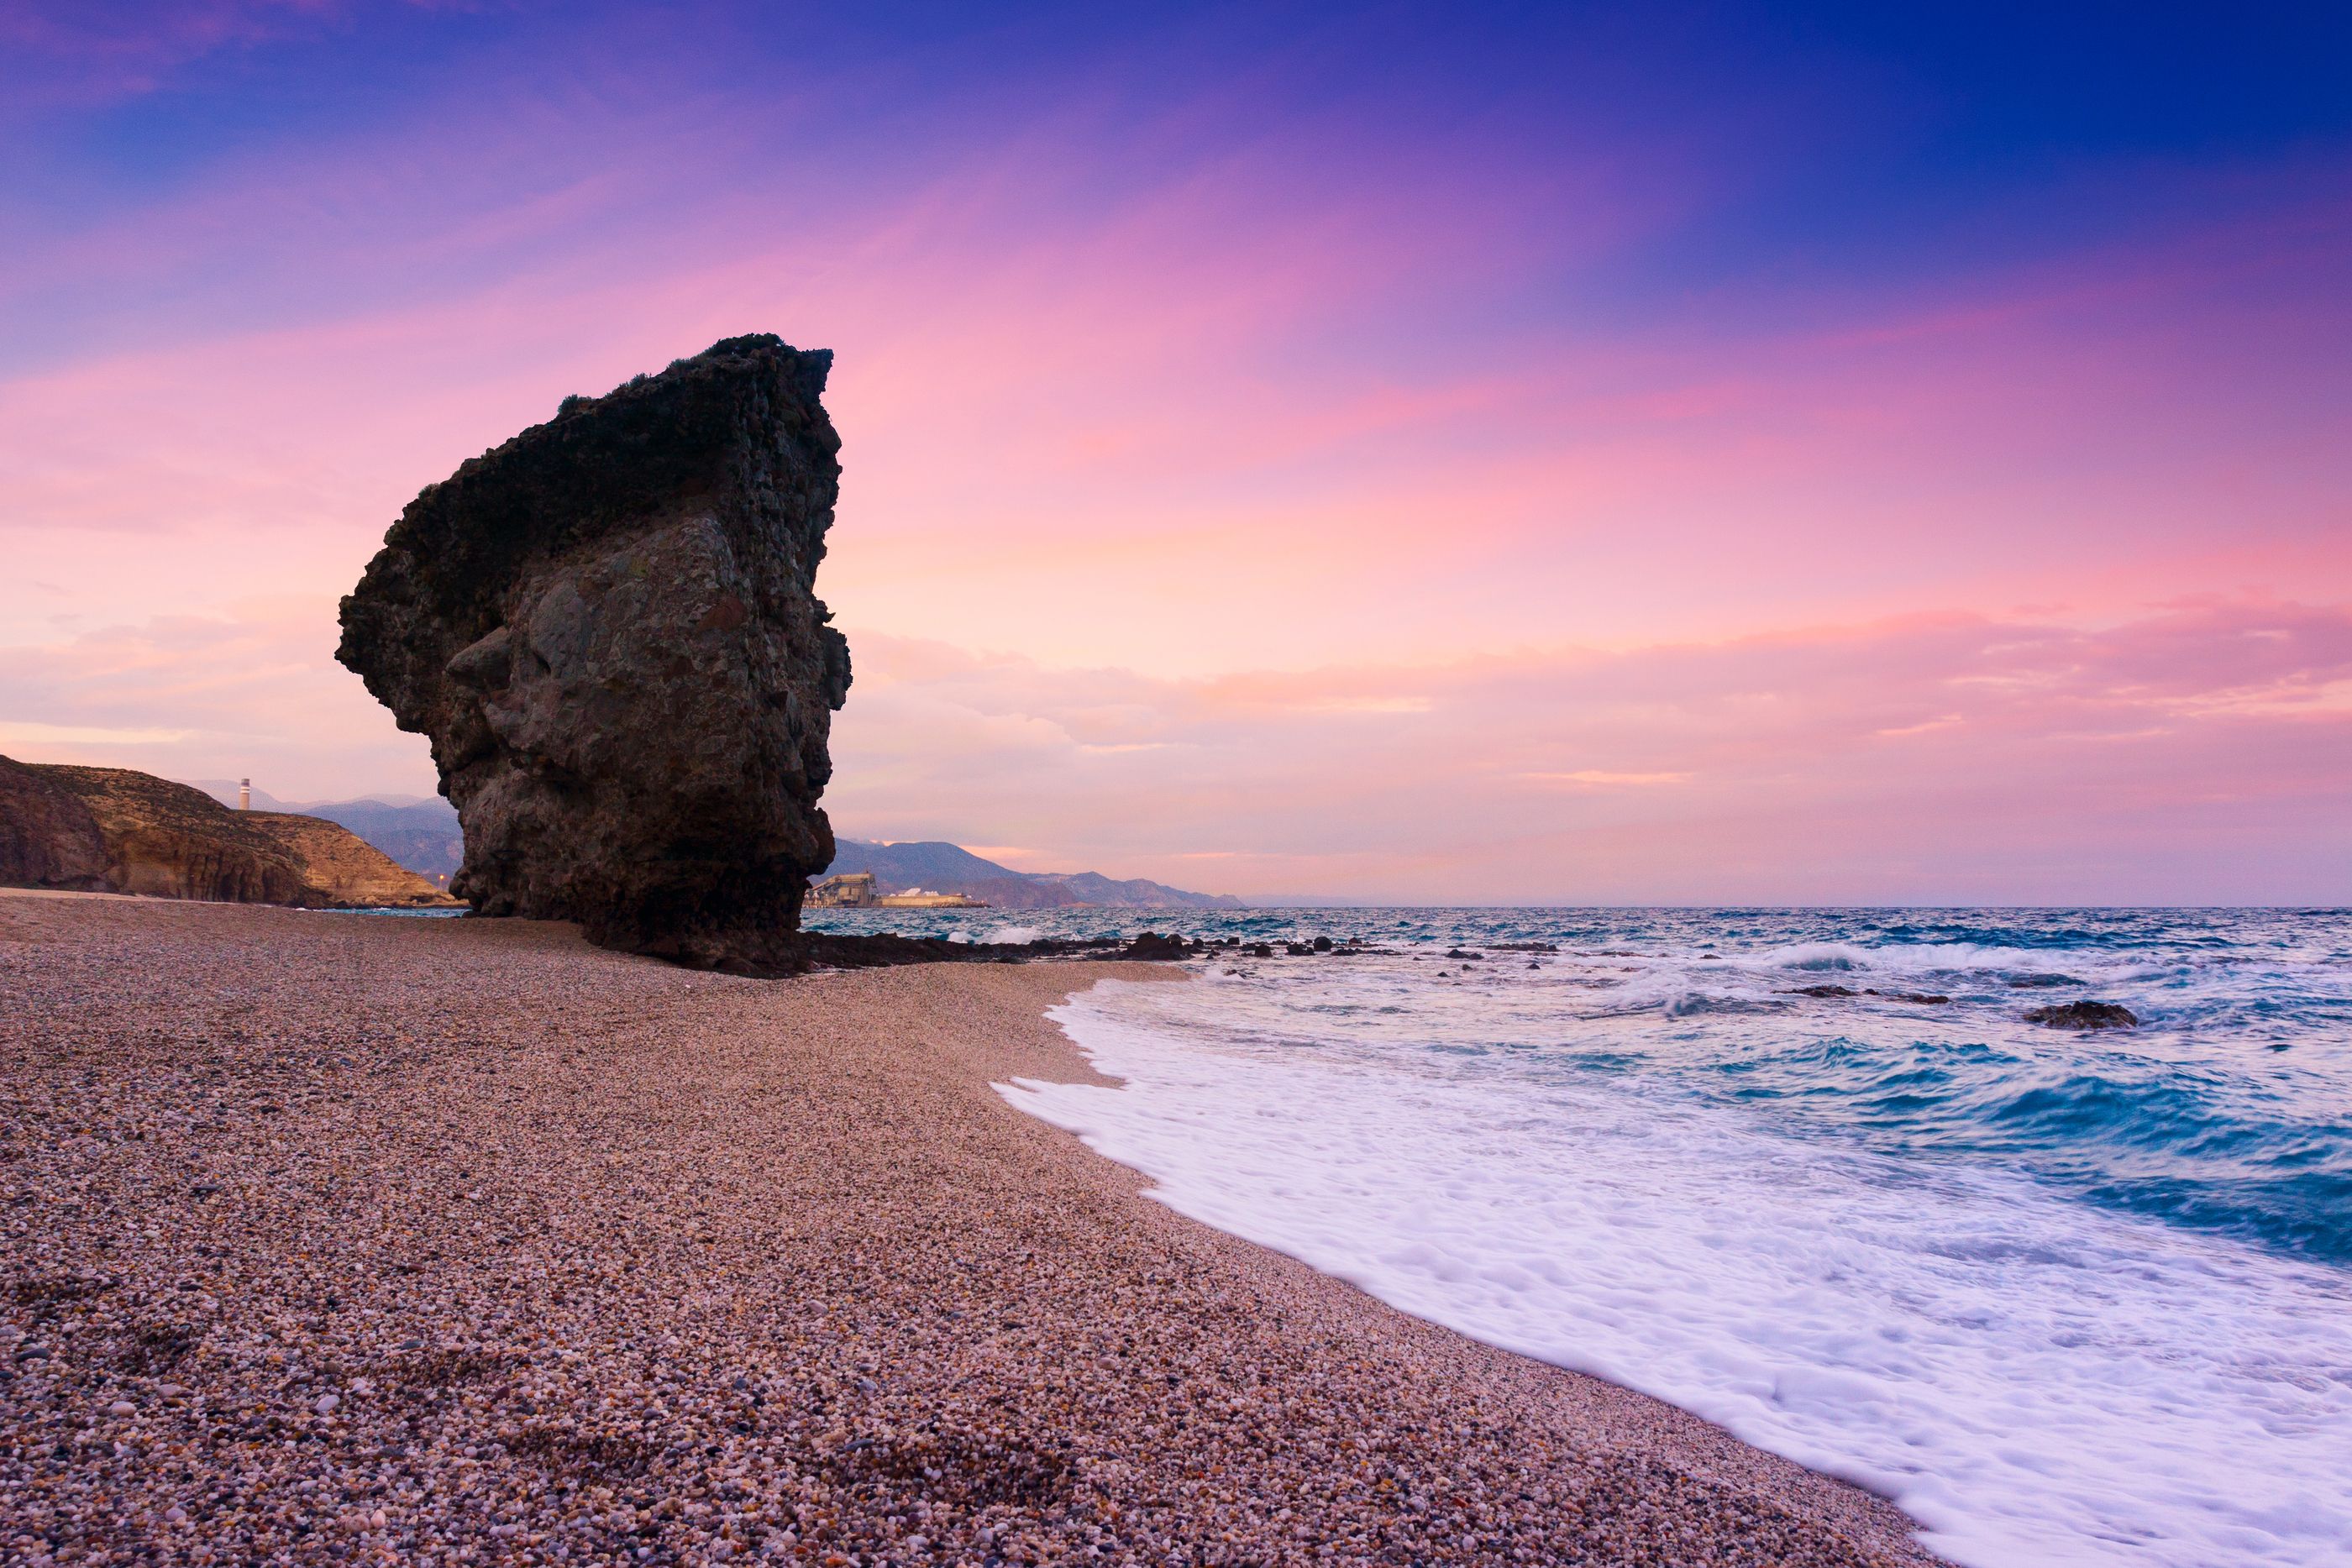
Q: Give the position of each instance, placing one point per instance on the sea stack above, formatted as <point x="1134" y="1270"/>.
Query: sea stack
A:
<point x="608" y="629"/>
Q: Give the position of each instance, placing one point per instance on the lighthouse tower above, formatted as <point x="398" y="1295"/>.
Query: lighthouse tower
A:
<point x="244" y="794"/>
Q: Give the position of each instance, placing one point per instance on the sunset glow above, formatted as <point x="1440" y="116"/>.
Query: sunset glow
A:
<point x="1282" y="456"/>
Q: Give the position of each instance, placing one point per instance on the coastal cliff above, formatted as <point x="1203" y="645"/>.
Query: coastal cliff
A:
<point x="112" y="830"/>
<point x="608" y="629"/>
<point x="47" y="836"/>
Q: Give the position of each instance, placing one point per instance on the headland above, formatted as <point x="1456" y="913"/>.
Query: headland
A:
<point x="114" y="829"/>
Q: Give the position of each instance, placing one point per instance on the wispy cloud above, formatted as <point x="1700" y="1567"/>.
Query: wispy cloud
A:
<point x="1347" y="473"/>
<point x="192" y="697"/>
<point x="94" y="54"/>
<point x="2191" y="751"/>
<point x="1603" y="776"/>
<point x="45" y="736"/>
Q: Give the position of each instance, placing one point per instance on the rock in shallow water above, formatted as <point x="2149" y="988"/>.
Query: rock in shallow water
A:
<point x="1153" y="944"/>
<point x="2084" y="1015"/>
<point x="609" y="630"/>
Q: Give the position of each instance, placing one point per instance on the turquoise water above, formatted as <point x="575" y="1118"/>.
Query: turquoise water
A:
<point x="2229" y="1109"/>
<point x="2067" y="1298"/>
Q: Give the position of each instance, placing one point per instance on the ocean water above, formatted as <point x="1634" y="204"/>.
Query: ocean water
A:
<point x="2067" y="1298"/>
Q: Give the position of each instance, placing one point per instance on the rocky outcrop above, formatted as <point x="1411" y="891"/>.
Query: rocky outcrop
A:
<point x="2085" y="1015"/>
<point x="608" y="629"/>
<point x="807" y="950"/>
<point x="168" y="841"/>
<point x="47" y="837"/>
<point x="424" y="837"/>
<point x="113" y="829"/>
<point x="338" y="862"/>
<point x="1159" y="946"/>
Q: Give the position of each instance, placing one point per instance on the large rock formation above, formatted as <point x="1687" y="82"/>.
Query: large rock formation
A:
<point x="608" y="629"/>
<point x="112" y="830"/>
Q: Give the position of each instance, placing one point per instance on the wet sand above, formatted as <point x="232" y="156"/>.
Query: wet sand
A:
<point x="334" y="1238"/>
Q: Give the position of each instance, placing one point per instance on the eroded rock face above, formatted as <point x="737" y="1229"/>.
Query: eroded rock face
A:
<point x="608" y="629"/>
<point x="337" y="862"/>
<point x="114" y="829"/>
<point x="47" y="837"/>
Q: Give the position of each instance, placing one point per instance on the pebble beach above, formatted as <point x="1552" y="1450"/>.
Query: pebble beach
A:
<point x="345" y="1239"/>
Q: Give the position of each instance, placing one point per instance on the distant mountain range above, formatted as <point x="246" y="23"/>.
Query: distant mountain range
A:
<point x="939" y="867"/>
<point x="419" y="832"/>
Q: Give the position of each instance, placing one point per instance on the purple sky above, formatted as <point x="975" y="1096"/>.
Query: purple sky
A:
<point x="1682" y="454"/>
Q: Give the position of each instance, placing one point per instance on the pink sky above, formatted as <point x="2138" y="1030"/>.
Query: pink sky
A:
<point x="1266" y="521"/>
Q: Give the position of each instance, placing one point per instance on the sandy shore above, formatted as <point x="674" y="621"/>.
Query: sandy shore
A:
<point x="335" y="1237"/>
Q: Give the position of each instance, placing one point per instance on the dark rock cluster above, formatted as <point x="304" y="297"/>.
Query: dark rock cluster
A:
<point x="805" y="950"/>
<point x="2085" y="1015"/>
<point x="1926" y="998"/>
<point x="609" y="630"/>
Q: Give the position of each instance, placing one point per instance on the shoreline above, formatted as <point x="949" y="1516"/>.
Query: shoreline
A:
<point x="699" y="1267"/>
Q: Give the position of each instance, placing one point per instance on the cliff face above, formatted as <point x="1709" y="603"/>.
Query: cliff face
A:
<point x="148" y="835"/>
<point x="346" y="867"/>
<point x="426" y="838"/>
<point x="47" y="837"/>
<point x="608" y="629"/>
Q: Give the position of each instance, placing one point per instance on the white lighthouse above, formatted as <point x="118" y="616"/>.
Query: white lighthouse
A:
<point x="244" y="794"/>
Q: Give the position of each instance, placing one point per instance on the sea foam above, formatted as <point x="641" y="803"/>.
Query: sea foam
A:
<point x="2035" y="1378"/>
